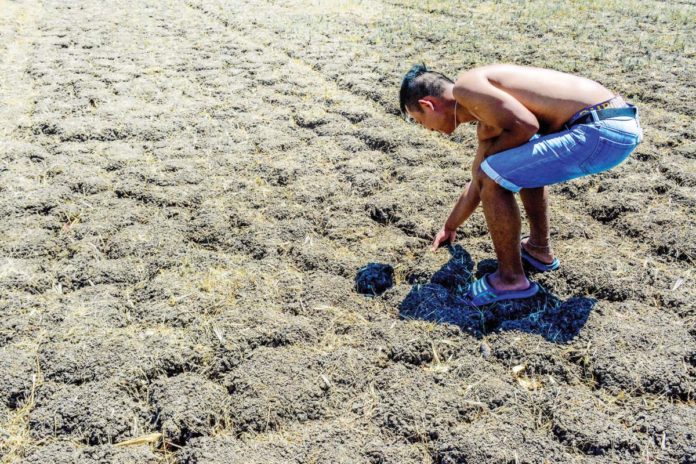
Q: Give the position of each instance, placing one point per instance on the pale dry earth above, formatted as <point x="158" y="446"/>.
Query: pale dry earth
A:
<point x="189" y="189"/>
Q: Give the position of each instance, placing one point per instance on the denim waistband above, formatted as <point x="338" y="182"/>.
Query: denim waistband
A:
<point x="614" y="102"/>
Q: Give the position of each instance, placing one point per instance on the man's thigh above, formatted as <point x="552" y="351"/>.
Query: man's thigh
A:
<point x="543" y="160"/>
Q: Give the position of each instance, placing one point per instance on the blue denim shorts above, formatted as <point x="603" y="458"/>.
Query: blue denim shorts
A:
<point x="578" y="151"/>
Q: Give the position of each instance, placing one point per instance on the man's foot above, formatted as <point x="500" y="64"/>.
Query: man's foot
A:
<point x="543" y="254"/>
<point x="539" y="257"/>
<point x="482" y="292"/>
<point x="520" y="283"/>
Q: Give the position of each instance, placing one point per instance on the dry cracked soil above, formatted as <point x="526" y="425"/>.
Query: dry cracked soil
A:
<point x="190" y="189"/>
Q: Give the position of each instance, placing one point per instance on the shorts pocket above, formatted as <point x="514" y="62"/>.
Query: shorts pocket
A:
<point x="624" y="126"/>
<point x="608" y="154"/>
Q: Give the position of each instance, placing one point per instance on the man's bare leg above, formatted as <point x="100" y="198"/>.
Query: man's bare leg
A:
<point x="504" y="223"/>
<point x="536" y="204"/>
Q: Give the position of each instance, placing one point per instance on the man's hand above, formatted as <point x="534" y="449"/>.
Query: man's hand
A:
<point x="443" y="237"/>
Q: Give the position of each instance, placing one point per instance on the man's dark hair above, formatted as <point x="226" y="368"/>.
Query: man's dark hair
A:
<point x="420" y="82"/>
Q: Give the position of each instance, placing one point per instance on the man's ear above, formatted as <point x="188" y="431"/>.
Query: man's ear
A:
<point x="426" y="104"/>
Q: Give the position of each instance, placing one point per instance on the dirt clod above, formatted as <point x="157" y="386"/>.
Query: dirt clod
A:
<point x="17" y="376"/>
<point x="374" y="279"/>
<point x="93" y="413"/>
<point x="188" y="406"/>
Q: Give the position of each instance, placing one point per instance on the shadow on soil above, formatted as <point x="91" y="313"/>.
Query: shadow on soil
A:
<point x="443" y="300"/>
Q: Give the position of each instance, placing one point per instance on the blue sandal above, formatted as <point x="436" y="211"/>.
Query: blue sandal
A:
<point x="482" y="292"/>
<point x="536" y="264"/>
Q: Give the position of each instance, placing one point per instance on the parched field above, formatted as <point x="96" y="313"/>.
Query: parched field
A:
<point x="188" y="190"/>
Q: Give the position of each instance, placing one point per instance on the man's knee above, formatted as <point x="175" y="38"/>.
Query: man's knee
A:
<point x="489" y="187"/>
<point x="484" y="180"/>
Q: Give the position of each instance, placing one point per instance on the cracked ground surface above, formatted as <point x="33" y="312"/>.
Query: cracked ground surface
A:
<point x="189" y="188"/>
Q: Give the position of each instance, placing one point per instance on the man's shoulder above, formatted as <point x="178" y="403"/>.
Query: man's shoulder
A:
<point x="468" y="82"/>
<point x="473" y="84"/>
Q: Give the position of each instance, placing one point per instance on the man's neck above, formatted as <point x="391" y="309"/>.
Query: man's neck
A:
<point x="462" y="114"/>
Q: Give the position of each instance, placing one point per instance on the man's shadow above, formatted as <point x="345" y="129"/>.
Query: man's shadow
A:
<point x="443" y="300"/>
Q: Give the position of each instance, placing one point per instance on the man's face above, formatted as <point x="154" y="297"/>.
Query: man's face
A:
<point x="433" y="116"/>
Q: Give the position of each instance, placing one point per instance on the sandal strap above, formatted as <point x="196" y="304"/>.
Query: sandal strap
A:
<point x="481" y="290"/>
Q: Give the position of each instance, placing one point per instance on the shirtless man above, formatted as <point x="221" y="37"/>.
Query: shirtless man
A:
<point x="536" y="127"/>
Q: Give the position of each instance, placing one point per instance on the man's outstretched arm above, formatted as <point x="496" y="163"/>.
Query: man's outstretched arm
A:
<point x="470" y="198"/>
<point x="466" y="204"/>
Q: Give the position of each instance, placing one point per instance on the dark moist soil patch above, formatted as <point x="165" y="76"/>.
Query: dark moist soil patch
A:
<point x="374" y="279"/>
